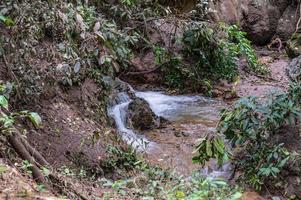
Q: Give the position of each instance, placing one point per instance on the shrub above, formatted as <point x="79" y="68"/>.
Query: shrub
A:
<point x="249" y="127"/>
<point x="214" y="52"/>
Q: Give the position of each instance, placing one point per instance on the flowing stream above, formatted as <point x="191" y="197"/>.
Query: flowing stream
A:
<point x="191" y="117"/>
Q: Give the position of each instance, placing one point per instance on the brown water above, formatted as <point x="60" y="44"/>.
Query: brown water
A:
<point x="191" y="117"/>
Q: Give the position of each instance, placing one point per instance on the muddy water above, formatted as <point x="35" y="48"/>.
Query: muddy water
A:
<point x="171" y="147"/>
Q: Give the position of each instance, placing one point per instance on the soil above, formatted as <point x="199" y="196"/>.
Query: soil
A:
<point x="16" y="185"/>
<point x="175" y="145"/>
<point x="251" y="85"/>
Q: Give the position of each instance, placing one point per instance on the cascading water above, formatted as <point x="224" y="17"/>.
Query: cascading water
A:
<point x="176" y="109"/>
<point x="119" y="113"/>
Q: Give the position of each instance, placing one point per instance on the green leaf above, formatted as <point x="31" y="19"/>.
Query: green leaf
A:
<point x="208" y="148"/>
<point x="35" y="119"/>
<point x="236" y="196"/>
<point x="3" y="169"/>
<point x="6" y="20"/>
<point x="3" y="102"/>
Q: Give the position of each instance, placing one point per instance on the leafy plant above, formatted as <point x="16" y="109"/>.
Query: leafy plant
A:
<point x="214" y="52"/>
<point x="6" y="20"/>
<point x="211" y="146"/>
<point x="26" y="166"/>
<point x="214" y="56"/>
<point x="8" y="119"/>
<point x="243" y="47"/>
<point x="203" y="189"/>
<point x="117" y="44"/>
<point x="249" y="127"/>
<point x="129" y="2"/>
<point x="120" y="158"/>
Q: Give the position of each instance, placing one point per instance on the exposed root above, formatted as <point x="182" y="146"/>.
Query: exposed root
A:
<point x="15" y="140"/>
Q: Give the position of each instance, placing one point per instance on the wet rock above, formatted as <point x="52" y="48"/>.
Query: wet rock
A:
<point x="293" y="70"/>
<point x="141" y="117"/>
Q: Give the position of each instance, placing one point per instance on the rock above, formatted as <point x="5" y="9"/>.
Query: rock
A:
<point x="141" y="117"/>
<point x="293" y="70"/>
<point x="260" y="21"/>
<point x="294" y="188"/>
<point x="287" y="23"/>
<point x="293" y="47"/>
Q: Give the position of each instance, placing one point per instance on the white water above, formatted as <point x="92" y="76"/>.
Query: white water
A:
<point x="119" y="113"/>
<point x="173" y="108"/>
<point x="178" y="108"/>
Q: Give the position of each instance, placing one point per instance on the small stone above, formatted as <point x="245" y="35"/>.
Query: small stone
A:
<point x="178" y="134"/>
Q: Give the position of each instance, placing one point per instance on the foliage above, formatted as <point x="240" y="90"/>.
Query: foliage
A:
<point x="213" y="56"/>
<point x="211" y="146"/>
<point x="120" y="158"/>
<point x="117" y="44"/>
<point x="249" y="127"/>
<point x="209" y="188"/>
<point x="214" y="51"/>
<point x="243" y="46"/>
<point x="8" y="119"/>
<point x="153" y="182"/>
<point x="6" y="20"/>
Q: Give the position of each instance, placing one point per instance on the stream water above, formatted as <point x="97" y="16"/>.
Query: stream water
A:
<point x="191" y="117"/>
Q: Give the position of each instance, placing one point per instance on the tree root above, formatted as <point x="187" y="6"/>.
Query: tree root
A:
<point x="41" y="161"/>
<point x="16" y="142"/>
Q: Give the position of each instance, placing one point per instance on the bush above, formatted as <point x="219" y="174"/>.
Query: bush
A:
<point x="249" y="127"/>
<point x="214" y="52"/>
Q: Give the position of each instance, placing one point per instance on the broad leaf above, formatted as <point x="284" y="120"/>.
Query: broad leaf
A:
<point x="35" y="119"/>
<point x="3" y="102"/>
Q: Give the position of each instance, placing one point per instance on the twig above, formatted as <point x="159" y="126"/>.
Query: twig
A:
<point x="298" y="23"/>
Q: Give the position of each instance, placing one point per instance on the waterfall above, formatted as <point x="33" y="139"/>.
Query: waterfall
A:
<point x="119" y="113"/>
<point x="176" y="109"/>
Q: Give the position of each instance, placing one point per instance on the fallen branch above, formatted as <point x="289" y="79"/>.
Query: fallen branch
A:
<point x="147" y="71"/>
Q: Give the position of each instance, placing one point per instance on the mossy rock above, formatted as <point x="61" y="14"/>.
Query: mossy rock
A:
<point x="293" y="48"/>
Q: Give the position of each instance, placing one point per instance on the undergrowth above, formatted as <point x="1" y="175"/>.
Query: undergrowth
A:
<point x="250" y="128"/>
<point x="152" y="182"/>
<point x="213" y="51"/>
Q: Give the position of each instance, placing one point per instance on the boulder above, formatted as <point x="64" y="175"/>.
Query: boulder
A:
<point x="141" y="117"/>
<point x="260" y="21"/>
<point x="287" y="23"/>
<point x="293" y="70"/>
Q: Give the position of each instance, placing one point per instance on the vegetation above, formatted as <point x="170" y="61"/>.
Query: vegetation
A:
<point x="52" y="50"/>
<point x="250" y="127"/>
<point x="215" y="51"/>
<point x="152" y="182"/>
